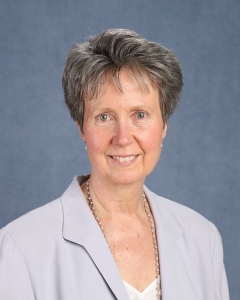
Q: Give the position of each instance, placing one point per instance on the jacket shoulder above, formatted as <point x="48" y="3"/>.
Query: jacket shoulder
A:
<point x="42" y="219"/>
<point x="188" y="219"/>
<point x="184" y="214"/>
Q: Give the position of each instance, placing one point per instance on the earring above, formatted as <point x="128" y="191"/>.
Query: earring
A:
<point x="85" y="147"/>
<point x="161" y="145"/>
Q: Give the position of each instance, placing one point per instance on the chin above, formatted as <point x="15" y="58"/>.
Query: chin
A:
<point x="127" y="178"/>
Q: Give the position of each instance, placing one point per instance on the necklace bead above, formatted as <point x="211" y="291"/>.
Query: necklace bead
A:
<point x="150" y="219"/>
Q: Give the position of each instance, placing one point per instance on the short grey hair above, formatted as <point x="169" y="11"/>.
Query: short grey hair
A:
<point x="89" y="64"/>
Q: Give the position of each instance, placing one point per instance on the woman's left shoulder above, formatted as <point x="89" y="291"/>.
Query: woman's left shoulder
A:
<point x="196" y="242"/>
<point x="189" y="219"/>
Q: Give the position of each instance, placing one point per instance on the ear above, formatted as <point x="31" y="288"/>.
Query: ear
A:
<point x="80" y="131"/>
<point x="164" y="132"/>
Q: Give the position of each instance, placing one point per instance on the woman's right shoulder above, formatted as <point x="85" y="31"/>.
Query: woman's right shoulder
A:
<point x="41" y="219"/>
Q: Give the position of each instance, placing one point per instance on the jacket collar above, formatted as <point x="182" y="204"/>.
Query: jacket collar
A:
<point x="168" y="232"/>
<point x="80" y="227"/>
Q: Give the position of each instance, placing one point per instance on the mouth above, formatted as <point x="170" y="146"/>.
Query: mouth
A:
<point x="124" y="159"/>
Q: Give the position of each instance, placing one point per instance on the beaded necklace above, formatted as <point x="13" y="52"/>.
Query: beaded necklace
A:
<point x="150" y="219"/>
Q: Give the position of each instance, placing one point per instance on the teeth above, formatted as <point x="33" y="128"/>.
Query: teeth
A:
<point x="124" y="159"/>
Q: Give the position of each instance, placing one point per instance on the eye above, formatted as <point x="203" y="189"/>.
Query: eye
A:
<point x="141" y="115"/>
<point x="103" y="117"/>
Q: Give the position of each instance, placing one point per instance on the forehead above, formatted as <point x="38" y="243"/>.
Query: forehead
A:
<point x="125" y="83"/>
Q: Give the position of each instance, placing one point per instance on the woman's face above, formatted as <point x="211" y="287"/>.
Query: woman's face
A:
<point x="123" y="131"/>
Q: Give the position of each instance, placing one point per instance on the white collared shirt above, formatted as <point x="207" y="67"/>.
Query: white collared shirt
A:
<point x="149" y="293"/>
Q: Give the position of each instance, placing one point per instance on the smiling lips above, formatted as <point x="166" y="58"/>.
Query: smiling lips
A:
<point x="123" y="159"/>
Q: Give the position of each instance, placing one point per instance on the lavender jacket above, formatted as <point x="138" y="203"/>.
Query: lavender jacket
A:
<point x="58" y="252"/>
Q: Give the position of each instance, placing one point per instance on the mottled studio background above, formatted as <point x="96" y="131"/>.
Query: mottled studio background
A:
<point x="40" y="149"/>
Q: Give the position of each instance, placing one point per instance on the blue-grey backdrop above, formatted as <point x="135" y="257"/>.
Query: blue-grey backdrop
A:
<point x="40" y="149"/>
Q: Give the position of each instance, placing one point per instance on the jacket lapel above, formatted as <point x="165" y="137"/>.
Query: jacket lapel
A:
<point x="168" y="232"/>
<point x="80" y="227"/>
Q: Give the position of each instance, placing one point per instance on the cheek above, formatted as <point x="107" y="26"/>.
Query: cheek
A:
<point x="96" y="140"/>
<point x="93" y="143"/>
<point x="153" y="139"/>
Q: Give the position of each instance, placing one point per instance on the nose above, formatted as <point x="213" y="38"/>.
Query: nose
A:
<point x="123" y="134"/>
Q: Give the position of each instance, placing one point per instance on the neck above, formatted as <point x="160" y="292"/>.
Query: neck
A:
<point x="111" y="198"/>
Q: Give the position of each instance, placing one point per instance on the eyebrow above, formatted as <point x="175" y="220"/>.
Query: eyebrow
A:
<point x="132" y="108"/>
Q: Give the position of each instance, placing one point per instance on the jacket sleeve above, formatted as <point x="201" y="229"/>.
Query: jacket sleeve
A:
<point x="14" y="279"/>
<point x="219" y="273"/>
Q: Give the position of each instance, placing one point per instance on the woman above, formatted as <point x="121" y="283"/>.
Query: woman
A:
<point x="108" y="236"/>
